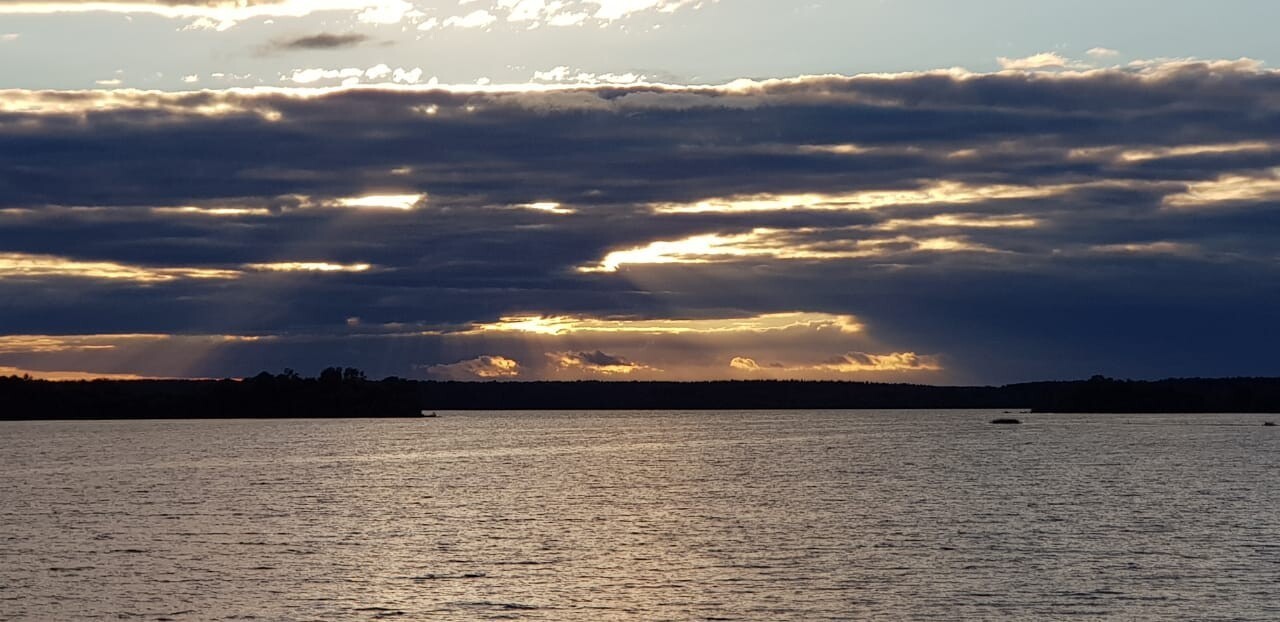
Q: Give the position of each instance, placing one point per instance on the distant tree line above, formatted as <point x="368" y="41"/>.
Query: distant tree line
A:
<point x="1096" y="395"/>
<point x="1176" y="395"/>
<point x="346" y="392"/>
<point x="336" y="392"/>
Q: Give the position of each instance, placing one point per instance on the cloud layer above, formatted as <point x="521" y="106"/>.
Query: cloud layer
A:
<point x="938" y="226"/>
<point x="427" y="15"/>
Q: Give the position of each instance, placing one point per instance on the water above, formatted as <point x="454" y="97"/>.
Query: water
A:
<point x="643" y="516"/>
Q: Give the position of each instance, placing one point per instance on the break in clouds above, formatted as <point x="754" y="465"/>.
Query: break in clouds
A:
<point x="931" y="227"/>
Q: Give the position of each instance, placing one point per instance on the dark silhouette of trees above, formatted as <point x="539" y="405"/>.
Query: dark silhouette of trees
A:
<point x="346" y="392"/>
<point x="1095" y="395"/>
<point x="1176" y="395"/>
<point x="337" y="392"/>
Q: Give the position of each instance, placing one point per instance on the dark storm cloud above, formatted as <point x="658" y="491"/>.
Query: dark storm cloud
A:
<point x="321" y="41"/>
<point x="987" y="218"/>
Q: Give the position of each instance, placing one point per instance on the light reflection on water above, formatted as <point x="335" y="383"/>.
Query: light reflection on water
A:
<point x="627" y="515"/>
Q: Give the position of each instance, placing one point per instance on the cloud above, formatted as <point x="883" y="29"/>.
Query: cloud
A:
<point x="388" y="12"/>
<point x="321" y="41"/>
<point x="480" y="368"/>
<point x="1043" y="60"/>
<point x="1229" y="189"/>
<point x="116" y="355"/>
<point x="308" y="266"/>
<point x="618" y="9"/>
<point x="596" y="362"/>
<point x="1101" y="52"/>
<point x="764" y="323"/>
<point x="845" y="364"/>
<point x="562" y="74"/>
<point x="556" y="13"/>
<point x="474" y="19"/>
<point x="982" y="218"/>
<point x="793" y="245"/>
<point x="220" y="14"/>
<point x="351" y="76"/>
<point x="10" y="344"/>
<point x="29" y="267"/>
<point x="384" y="201"/>
<point x="38" y="267"/>
<point x="9" y="36"/>
<point x="855" y="362"/>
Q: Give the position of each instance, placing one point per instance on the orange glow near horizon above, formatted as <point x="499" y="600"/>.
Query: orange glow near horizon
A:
<point x="70" y="376"/>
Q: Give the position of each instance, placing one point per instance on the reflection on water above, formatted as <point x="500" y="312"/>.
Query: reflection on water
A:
<point x="663" y="515"/>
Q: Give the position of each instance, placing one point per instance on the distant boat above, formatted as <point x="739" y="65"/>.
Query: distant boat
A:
<point x="1269" y="424"/>
<point x="1006" y="421"/>
<point x="428" y="414"/>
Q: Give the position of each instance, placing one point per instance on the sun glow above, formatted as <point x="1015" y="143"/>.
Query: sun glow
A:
<point x="549" y="207"/>
<point x="383" y="201"/>
<point x="212" y="211"/>
<point x="309" y="266"/>
<point x="566" y="324"/>
<point x="697" y="249"/>
<point x="943" y="192"/>
<point x="776" y="244"/>
<point x="959" y="221"/>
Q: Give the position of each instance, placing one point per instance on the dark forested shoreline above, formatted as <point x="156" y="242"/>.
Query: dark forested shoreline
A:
<point x="339" y="392"/>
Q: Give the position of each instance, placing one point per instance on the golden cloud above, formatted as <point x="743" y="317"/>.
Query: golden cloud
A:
<point x="46" y="344"/>
<point x="566" y="324"/>
<point x="940" y="192"/>
<point x="1228" y="189"/>
<point x="850" y="363"/>
<point x="308" y="266"/>
<point x="487" y="367"/>
<point x="13" y="344"/>
<point x="30" y="266"/>
<point x="596" y="362"/>
<point x="776" y="244"/>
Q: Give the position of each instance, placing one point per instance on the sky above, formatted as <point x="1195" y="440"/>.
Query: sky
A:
<point x="902" y="191"/>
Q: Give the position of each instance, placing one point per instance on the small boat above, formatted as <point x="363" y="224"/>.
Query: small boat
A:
<point x="1006" y="421"/>
<point x="1269" y="424"/>
<point x="429" y="414"/>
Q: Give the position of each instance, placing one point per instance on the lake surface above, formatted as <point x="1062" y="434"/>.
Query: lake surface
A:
<point x="643" y="516"/>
